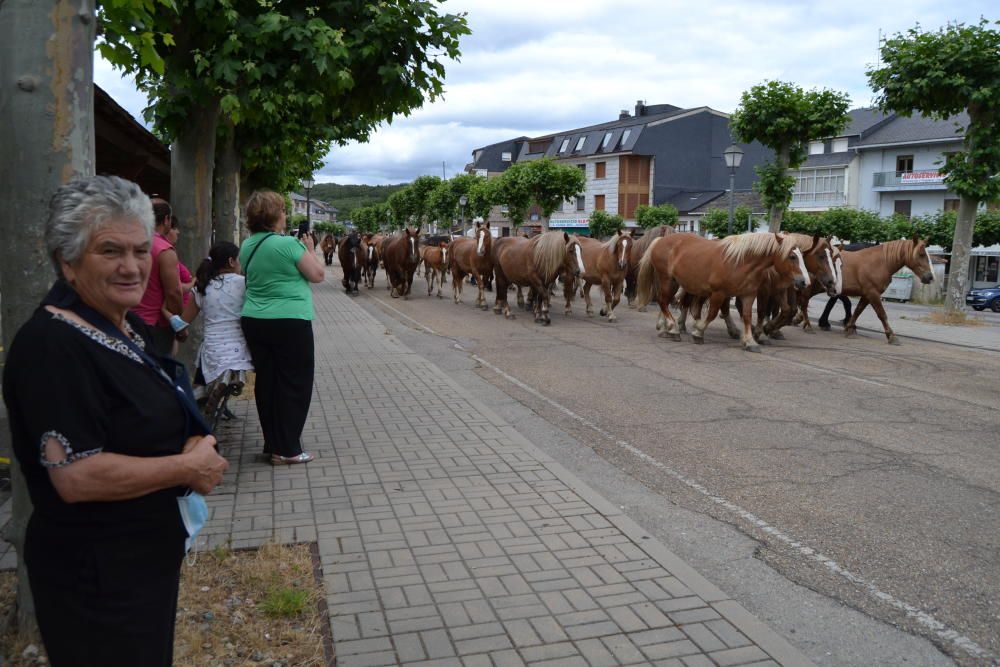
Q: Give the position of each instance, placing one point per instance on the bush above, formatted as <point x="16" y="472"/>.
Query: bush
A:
<point x="648" y="217"/>
<point x="603" y="224"/>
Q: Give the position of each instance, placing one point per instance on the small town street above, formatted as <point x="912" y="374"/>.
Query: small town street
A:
<point x="865" y="473"/>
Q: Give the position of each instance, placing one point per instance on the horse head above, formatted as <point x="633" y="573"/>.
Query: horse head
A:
<point x="919" y="260"/>
<point x="789" y="260"/>
<point x="622" y="248"/>
<point x="444" y="253"/>
<point x="819" y="263"/>
<point x="413" y="243"/>
<point x="483" y="238"/>
<point x="574" y="254"/>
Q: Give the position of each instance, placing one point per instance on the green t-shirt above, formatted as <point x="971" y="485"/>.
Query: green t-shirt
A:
<point x="275" y="288"/>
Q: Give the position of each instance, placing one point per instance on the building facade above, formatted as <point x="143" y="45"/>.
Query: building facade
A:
<point x="319" y="211"/>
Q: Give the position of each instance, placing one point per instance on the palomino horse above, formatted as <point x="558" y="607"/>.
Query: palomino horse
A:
<point x="401" y="255"/>
<point x="867" y="273"/>
<point x="328" y="246"/>
<point x="472" y="257"/>
<point x="351" y="257"/>
<point x="369" y="267"/>
<point x="606" y="264"/>
<point x="435" y="265"/>
<point x="716" y="270"/>
<point x="534" y="263"/>
<point x="638" y="250"/>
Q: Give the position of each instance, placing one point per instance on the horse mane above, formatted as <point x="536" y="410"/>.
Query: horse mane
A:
<point x="740" y="247"/>
<point x="610" y="244"/>
<point x="897" y="251"/>
<point x="549" y="252"/>
<point x="802" y="241"/>
<point x="649" y="236"/>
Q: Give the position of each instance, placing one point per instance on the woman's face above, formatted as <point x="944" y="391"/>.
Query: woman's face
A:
<point x="111" y="273"/>
<point x="173" y="235"/>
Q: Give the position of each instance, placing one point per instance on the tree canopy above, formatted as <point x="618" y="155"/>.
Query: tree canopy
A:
<point x="544" y="183"/>
<point x="603" y="224"/>
<point x="648" y="217"/>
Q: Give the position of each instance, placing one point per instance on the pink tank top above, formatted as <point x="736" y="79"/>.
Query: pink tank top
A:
<point x="152" y="301"/>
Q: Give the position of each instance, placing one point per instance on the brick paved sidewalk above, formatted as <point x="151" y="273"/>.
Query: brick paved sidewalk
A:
<point x="448" y="539"/>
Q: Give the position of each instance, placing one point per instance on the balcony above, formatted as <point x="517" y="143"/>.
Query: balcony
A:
<point x="924" y="179"/>
<point x="818" y="200"/>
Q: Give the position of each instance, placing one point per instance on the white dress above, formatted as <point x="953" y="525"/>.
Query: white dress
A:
<point x="224" y="347"/>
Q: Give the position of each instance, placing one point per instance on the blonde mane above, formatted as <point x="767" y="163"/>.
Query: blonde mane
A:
<point x="740" y="247"/>
<point x="898" y="251"/>
<point x="549" y="252"/>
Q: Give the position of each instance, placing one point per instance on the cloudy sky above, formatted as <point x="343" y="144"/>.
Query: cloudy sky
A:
<point x="536" y="66"/>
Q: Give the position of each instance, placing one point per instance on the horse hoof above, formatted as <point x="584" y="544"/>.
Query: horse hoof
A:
<point x="824" y="327"/>
<point x="604" y="312"/>
<point x="764" y="341"/>
<point x="850" y="333"/>
<point x="612" y="319"/>
<point x="484" y="307"/>
<point x="752" y="348"/>
<point x="643" y="309"/>
<point x="698" y="340"/>
<point x="893" y="340"/>
<point x="777" y="335"/>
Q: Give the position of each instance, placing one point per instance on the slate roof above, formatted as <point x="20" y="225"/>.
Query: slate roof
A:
<point x="489" y="158"/>
<point x="903" y="130"/>
<point x="864" y="120"/>
<point x="685" y="202"/>
<point x="828" y="160"/>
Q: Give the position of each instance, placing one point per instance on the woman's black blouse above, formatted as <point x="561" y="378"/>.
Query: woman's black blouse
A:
<point x="92" y="394"/>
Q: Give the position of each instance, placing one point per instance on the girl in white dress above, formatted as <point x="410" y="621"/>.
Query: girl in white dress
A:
<point x="218" y="294"/>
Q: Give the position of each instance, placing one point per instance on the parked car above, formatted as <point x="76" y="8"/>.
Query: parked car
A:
<point x="984" y="297"/>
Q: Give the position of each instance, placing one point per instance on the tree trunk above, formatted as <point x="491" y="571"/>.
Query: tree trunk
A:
<point x="226" y="188"/>
<point x="243" y="196"/>
<point x="958" y="276"/>
<point x="47" y="134"/>
<point x="777" y="211"/>
<point x="192" y="163"/>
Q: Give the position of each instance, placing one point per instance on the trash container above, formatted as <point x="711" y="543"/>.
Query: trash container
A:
<point x="900" y="287"/>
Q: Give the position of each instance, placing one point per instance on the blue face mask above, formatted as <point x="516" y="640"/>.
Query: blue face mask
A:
<point x="194" y="514"/>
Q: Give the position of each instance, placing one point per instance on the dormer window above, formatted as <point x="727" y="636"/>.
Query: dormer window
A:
<point x="565" y="145"/>
<point x="579" y="144"/>
<point x="625" y="135"/>
<point x="607" y="140"/>
<point x="505" y="156"/>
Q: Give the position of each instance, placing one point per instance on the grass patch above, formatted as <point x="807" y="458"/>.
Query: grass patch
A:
<point x="235" y="608"/>
<point x="953" y="319"/>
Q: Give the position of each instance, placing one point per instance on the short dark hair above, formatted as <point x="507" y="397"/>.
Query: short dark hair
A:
<point x="264" y="208"/>
<point x="161" y="210"/>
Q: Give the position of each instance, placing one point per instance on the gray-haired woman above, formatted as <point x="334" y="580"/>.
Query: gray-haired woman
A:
<point x="107" y="438"/>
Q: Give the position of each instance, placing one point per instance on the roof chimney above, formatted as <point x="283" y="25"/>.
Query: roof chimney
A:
<point x="623" y="114"/>
<point x="640" y="108"/>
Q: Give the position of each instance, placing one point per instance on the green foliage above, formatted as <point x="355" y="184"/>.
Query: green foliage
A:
<point x="716" y="223"/>
<point x="544" y="183"/>
<point x="293" y="221"/>
<point x="420" y="194"/>
<point x="775" y="185"/>
<point x="648" y="217"/>
<point x="366" y="219"/>
<point x="940" y="74"/>
<point x="483" y="196"/>
<point x="443" y="202"/>
<point x="334" y="228"/>
<point x="603" y="224"/>
<point x="987" y="231"/>
<point x="285" y="602"/>
<point x="347" y="198"/>
<point x="401" y="208"/>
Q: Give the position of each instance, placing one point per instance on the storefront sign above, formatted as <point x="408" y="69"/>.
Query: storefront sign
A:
<point x="562" y="224"/>
<point x="921" y="177"/>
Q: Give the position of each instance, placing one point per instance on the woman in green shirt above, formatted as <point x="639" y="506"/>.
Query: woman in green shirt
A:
<point x="277" y="323"/>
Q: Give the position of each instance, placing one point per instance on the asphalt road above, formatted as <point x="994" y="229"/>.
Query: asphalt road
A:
<point x="860" y="477"/>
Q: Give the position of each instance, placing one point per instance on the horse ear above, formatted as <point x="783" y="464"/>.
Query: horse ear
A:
<point x="815" y="242"/>
<point x="566" y="236"/>
<point x="916" y="236"/>
<point x="779" y="236"/>
<point x="486" y="224"/>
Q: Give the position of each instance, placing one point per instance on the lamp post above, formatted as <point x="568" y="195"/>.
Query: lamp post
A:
<point x="733" y="157"/>
<point x="308" y="183"/>
<point x="462" y="201"/>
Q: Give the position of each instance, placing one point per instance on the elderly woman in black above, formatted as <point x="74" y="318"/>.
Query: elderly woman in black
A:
<point x="113" y="452"/>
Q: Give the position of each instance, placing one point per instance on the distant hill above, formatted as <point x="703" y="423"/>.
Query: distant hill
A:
<point x="349" y="197"/>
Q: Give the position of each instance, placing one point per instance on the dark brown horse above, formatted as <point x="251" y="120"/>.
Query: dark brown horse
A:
<point x="436" y="263"/>
<point x="369" y="266"/>
<point x="328" y="246"/>
<point x="351" y="257"/>
<point x="638" y="250"/>
<point x="534" y="263"/>
<point x="715" y="270"/>
<point x="606" y="264"/>
<point x="401" y="255"/>
<point x="472" y="257"/>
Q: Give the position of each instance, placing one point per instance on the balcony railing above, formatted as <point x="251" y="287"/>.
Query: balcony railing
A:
<point x="814" y="199"/>
<point x="905" y="180"/>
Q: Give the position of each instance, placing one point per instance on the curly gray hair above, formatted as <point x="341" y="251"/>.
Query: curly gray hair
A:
<point x="80" y="207"/>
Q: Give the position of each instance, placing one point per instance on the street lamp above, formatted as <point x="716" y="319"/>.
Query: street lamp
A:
<point x="733" y="157"/>
<point x="308" y="183"/>
<point x="462" y="201"/>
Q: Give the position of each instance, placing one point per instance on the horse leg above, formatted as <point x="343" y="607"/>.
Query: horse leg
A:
<point x="456" y="285"/>
<point x="609" y="309"/>
<point x="586" y="297"/>
<point x="480" y="283"/>
<point x="714" y="303"/>
<point x="784" y="316"/>
<point x="851" y="329"/>
<point x="543" y="299"/>
<point x="746" y="312"/>
<point x="847" y="307"/>
<point x="569" y="289"/>
<point x="664" y="295"/>
<point x="727" y="317"/>
<point x="876" y="302"/>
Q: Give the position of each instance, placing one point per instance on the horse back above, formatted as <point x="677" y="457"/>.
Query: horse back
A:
<point x="865" y="270"/>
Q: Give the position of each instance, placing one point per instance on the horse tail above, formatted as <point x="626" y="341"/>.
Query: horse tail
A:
<point x="549" y="255"/>
<point x="644" y="281"/>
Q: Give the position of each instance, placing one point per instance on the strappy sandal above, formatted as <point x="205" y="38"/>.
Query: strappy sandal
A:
<point x="304" y="457"/>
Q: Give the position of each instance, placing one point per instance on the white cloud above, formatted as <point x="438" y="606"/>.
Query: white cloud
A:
<point x="537" y="66"/>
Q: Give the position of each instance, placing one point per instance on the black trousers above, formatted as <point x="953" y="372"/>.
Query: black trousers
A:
<point x="824" y="320"/>
<point x="283" y="357"/>
<point x="107" y="603"/>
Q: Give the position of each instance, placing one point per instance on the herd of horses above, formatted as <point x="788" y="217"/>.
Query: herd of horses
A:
<point x="780" y="271"/>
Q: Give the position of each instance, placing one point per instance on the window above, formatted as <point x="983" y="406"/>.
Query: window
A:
<point x="565" y="145"/>
<point x="986" y="269"/>
<point x="951" y="204"/>
<point x="625" y="135"/>
<point x="580" y="203"/>
<point x="902" y="207"/>
<point x="539" y="146"/>
<point x="840" y="145"/>
<point x="505" y="156"/>
<point x="598" y="202"/>
<point x="504" y="208"/>
<point x="904" y="163"/>
<point x="815" y="148"/>
<point x="606" y="141"/>
<point x="819" y="186"/>
<point x="600" y="170"/>
<point x="579" y="144"/>
<point x="482" y="173"/>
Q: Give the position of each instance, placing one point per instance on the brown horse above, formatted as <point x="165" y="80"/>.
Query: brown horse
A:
<point x="606" y="264"/>
<point x="716" y="270"/>
<point x="351" y="256"/>
<point x="534" y="263"/>
<point x="638" y="250"/>
<point x="328" y="246"/>
<point x="369" y="267"/>
<point x="472" y="257"/>
<point x="401" y="255"/>
<point x="867" y="273"/>
<point x="435" y="265"/>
